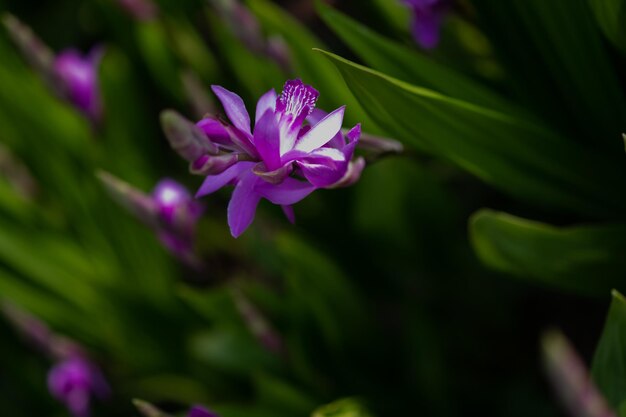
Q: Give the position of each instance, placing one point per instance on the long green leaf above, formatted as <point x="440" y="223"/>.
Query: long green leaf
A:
<point x="518" y="156"/>
<point x="554" y="52"/>
<point x="608" y="368"/>
<point x="588" y="259"/>
<point x="611" y="15"/>
<point x="406" y="64"/>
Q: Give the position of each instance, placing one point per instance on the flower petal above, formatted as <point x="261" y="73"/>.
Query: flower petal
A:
<point x="322" y="132"/>
<point x="316" y="116"/>
<point x="215" y="131"/>
<point x="243" y="203"/>
<point x="323" y="174"/>
<point x="213" y="183"/>
<point x="288" y="192"/>
<point x="289" y="213"/>
<point x="267" y="140"/>
<point x="234" y="107"/>
<point x="265" y="103"/>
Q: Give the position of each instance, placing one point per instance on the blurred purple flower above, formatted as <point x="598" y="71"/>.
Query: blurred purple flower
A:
<point x="427" y="18"/>
<point x="74" y="382"/>
<point x="283" y="160"/>
<point x="78" y="76"/>
<point x="178" y="213"/>
<point x="170" y="210"/>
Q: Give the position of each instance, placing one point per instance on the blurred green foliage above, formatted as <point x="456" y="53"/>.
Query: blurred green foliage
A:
<point x="387" y="300"/>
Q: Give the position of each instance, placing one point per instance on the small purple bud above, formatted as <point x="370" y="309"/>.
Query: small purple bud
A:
<point x="142" y="10"/>
<point x="428" y="15"/>
<point x="176" y="207"/>
<point x="135" y="201"/>
<point x="79" y="78"/>
<point x="378" y="145"/>
<point x="170" y="211"/>
<point x="187" y="139"/>
<point x="74" y="382"/>
<point x="178" y="215"/>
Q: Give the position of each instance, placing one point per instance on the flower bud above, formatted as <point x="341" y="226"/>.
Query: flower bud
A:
<point x="187" y="139"/>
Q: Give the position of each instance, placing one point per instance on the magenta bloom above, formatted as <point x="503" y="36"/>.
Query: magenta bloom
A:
<point x="78" y="76"/>
<point x="293" y="150"/>
<point x="74" y="382"/>
<point x="427" y="18"/>
<point x="178" y="213"/>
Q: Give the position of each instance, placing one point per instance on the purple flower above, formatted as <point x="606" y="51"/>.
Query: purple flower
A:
<point x="178" y="214"/>
<point x="283" y="159"/>
<point x="74" y="382"/>
<point x="427" y="18"/>
<point x="78" y="76"/>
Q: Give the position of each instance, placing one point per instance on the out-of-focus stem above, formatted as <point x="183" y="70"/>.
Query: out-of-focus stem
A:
<point x="571" y="379"/>
<point x="258" y="325"/>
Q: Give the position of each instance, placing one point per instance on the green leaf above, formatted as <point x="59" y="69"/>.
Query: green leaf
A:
<point x="516" y="155"/>
<point x="571" y="78"/>
<point x="611" y="15"/>
<point x="406" y="64"/>
<point x="586" y="259"/>
<point x="608" y="368"/>
<point x="348" y="407"/>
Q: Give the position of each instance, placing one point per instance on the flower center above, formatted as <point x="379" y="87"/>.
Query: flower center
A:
<point x="297" y="99"/>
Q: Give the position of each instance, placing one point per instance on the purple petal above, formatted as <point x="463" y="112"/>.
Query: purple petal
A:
<point x="234" y="107"/>
<point x="243" y="203"/>
<point x="289" y="192"/>
<point x="289" y="213"/>
<point x="266" y="102"/>
<point x="353" y="139"/>
<point x="316" y="116"/>
<point x="321" y="133"/>
<point x="267" y="140"/>
<point x="198" y="411"/>
<point x="215" y="131"/>
<point x="322" y="175"/>
<point x="213" y="183"/>
<point x="353" y="174"/>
